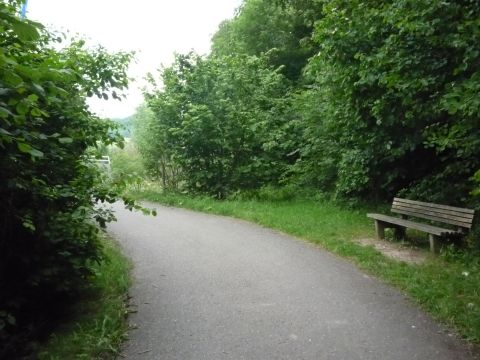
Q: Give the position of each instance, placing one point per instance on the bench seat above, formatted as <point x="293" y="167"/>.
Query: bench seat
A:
<point x="459" y="218"/>
<point x="429" y="229"/>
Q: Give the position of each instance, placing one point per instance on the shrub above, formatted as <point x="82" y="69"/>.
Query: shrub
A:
<point x="48" y="186"/>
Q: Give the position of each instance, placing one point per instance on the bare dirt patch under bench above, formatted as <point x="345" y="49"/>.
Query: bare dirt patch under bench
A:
<point x="395" y="251"/>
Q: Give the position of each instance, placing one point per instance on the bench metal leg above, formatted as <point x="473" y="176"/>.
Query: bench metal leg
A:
<point x="380" y="229"/>
<point x="434" y="243"/>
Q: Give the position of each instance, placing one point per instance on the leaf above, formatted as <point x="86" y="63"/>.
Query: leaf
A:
<point x="27" y="149"/>
<point x="65" y="140"/>
<point x="24" y="147"/>
<point x="24" y="31"/>
<point x="36" y="112"/>
<point x="5" y="132"/>
<point x="39" y="89"/>
<point x="28" y="224"/>
<point x="11" y="320"/>
<point x="32" y="97"/>
<point x="12" y="79"/>
<point x="22" y="108"/>
<point x="4" y="113"/>
<point x="36" y="153"/>
<point x="36" y="24"/>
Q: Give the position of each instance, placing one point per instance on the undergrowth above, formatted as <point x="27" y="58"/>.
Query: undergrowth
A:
<point x="97" y="324"/>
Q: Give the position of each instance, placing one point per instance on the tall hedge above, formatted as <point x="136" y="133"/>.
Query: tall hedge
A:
<point x="48" y="185"/>
<point x="397" y="85"/>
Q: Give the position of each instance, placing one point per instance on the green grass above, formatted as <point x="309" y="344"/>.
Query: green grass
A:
<point x="448" y="286"/>
<point x="97" y="324"/>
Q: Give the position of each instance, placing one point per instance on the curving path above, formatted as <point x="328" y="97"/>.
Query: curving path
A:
<point x="211" y="287"/>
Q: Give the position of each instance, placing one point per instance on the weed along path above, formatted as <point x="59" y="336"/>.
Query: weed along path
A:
<point x="211" y="287"/>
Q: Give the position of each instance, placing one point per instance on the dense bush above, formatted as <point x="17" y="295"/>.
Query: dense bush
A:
<point x="125" y="161"/>
<point x="152" y="142"/>
<point x="382" y="99"/>
<point x="263" y="28"/>
<point x="224" y="121"/>
<point x="398" y="86"/>
<point x="48" y="185"/>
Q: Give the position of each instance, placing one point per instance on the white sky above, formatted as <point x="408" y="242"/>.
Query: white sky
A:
<point x="155" y="29"/>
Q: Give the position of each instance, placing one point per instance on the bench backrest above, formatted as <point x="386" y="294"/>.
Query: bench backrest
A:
<point x="441" y="213"/>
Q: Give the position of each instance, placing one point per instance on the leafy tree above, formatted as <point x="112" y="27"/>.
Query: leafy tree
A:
<point x="263" y="27"/>
<point x="125" y="161"/>
<point x="397" y="84"/>
<point x="226" y="121"/>
<point x="384" y="100"/>
<point x="151" y="140"/>
<point x="48" y="186"/>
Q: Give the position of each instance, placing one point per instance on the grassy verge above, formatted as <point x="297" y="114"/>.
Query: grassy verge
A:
<point x="97" y="324"/>
<point x="446" y="286"/>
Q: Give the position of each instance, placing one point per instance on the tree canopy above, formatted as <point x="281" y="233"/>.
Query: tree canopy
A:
<point x="224" y="120"/>
<point x="397" y="85"/>
<point x="281" y="33"/>
<point x="365" y="100"/>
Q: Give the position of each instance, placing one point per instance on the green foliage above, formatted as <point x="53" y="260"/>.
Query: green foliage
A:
<point x="476" y="179"/>
<point x="225" y="122"/>
<point x="125" y="161"/>
<point x="360" y="100"/>
<point x="262" y="27"/>
<point x="48" y="185"/>
<point x="397" y="83"/>
<point x="268" y="193"/>
<point x="125" y="126"/>
<point x="127" y="165"/>
<point x="152" y="142"/>
<point x="96" y="325"/>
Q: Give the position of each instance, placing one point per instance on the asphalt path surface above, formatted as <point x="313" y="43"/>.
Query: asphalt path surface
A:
<point x="211" y="287"/>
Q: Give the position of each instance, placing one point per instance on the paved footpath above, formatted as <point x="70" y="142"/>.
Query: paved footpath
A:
<point x="210" y="287"/>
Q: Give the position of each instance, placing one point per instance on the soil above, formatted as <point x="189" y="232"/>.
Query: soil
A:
<point x="396" y="251"/>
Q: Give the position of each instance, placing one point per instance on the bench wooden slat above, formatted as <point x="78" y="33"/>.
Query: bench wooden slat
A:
<point x="436" y="206"/>
<point x="433" y="218"/>
<point x="430" y="215"/>
<point x="449" y="215"/>
<point x="430" y="229"/>
<point x="433" y="210"/>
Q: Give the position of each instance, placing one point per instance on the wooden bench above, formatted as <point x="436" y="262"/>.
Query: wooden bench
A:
<point x="459" y="219"/>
